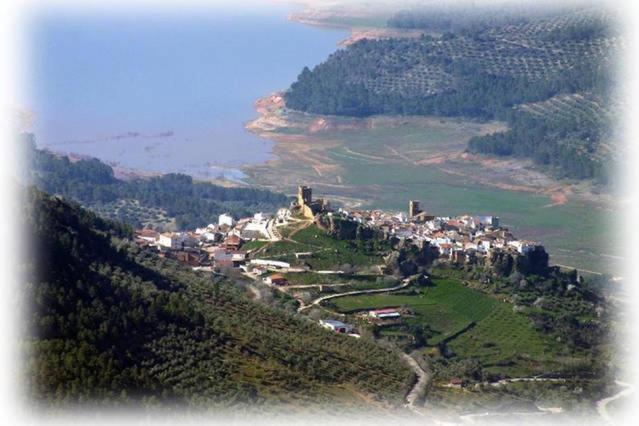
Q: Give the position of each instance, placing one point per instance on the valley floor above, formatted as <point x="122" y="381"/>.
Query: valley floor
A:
<point x="381" y="162"/>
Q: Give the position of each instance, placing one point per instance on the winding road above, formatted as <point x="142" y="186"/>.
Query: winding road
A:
<point x="423" y="379"/>
<point x="603" y="403"/>
<point x="319" y="300"/>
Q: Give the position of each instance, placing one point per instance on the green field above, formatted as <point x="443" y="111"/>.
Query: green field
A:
<point x="253" y="245"/>
<point x="502" y="340"/>
<point x="503" y="337"/>
<point x="575" y="233"/>
<point x="446" y="307"/>
<point x="328" y="253"/>
<point x="377" y="166"/>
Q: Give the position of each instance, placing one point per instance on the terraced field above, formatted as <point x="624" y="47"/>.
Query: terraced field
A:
<point x="447" y="307"/>
<point x="584" y="106"/>
<point x="501" y="339"/>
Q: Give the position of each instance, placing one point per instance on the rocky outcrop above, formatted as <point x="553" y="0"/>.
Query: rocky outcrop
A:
<point x="344" y="229"/>
<point x="410" y="259"/>
<point x="503" y="263"/>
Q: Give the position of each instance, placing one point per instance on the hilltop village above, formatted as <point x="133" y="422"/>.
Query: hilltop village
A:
<point x="461" y="239"/>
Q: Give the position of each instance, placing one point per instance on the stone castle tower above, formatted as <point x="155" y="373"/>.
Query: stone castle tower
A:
<point x="304" y="195"/>
<point x="413" y="208"/>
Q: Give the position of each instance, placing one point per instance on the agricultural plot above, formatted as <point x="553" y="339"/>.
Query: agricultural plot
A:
<point x="447" y="307"/>
<point x="501" y="339"/>
<point x="534" y="50"/>
<point x="285" y="248"/>
<point x="581" y="107"/>
<point x="585" y="110"/>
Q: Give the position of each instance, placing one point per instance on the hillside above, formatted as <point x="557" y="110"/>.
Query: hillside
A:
<point x="168" y="201"/>
<point x="481" y="73"/>
<point x="112" y="324"/>
<point x="489" y="322"/>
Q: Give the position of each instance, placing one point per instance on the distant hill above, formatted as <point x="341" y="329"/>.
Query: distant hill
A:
<point x="113" y="324"/>
<point x="170" y="200"/>
<point x="486" y="72"/>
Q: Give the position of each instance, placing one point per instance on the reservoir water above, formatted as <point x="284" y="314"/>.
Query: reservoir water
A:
<point x="165" y="92"/>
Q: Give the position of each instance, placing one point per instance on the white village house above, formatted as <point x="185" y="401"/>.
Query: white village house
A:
<point x="336" y="326"/>
<point x="226" y="219"/>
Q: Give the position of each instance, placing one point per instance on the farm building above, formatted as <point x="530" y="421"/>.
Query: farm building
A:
<point x="271" y="263"/>
<point x="276" y="279"/>
<point x="384" y="313"/>
<point x="336" y="326"/>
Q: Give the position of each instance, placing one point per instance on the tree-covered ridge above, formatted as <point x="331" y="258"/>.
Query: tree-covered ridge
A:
<point x="513" y="64"/>
<point x="112" y="324"/>
<point x="571" y="133"/>
<point x="488" y="74"/>
<point x="191" y="203"/>
<point x="458" y="17"/>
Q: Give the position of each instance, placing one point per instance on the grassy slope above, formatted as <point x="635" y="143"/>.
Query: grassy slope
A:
<point x="500" y="335"/>
<point x="328" y="252"/>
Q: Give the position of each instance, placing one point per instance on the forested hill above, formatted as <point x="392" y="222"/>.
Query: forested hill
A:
<point x="484" y="73"/>
<point x="170" y="200"/>
<point x="111" y="324"/>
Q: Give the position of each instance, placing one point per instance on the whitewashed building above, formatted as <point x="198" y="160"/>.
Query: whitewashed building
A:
<point x="336" y="326"/>
<point x="171" y="240"/>
<point x="226" y="219"/>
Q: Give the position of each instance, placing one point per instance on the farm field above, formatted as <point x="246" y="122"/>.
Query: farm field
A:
<point x="502" y="340"/>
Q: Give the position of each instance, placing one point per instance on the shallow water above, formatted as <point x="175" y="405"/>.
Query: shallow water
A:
<point x="165" y="93"/>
